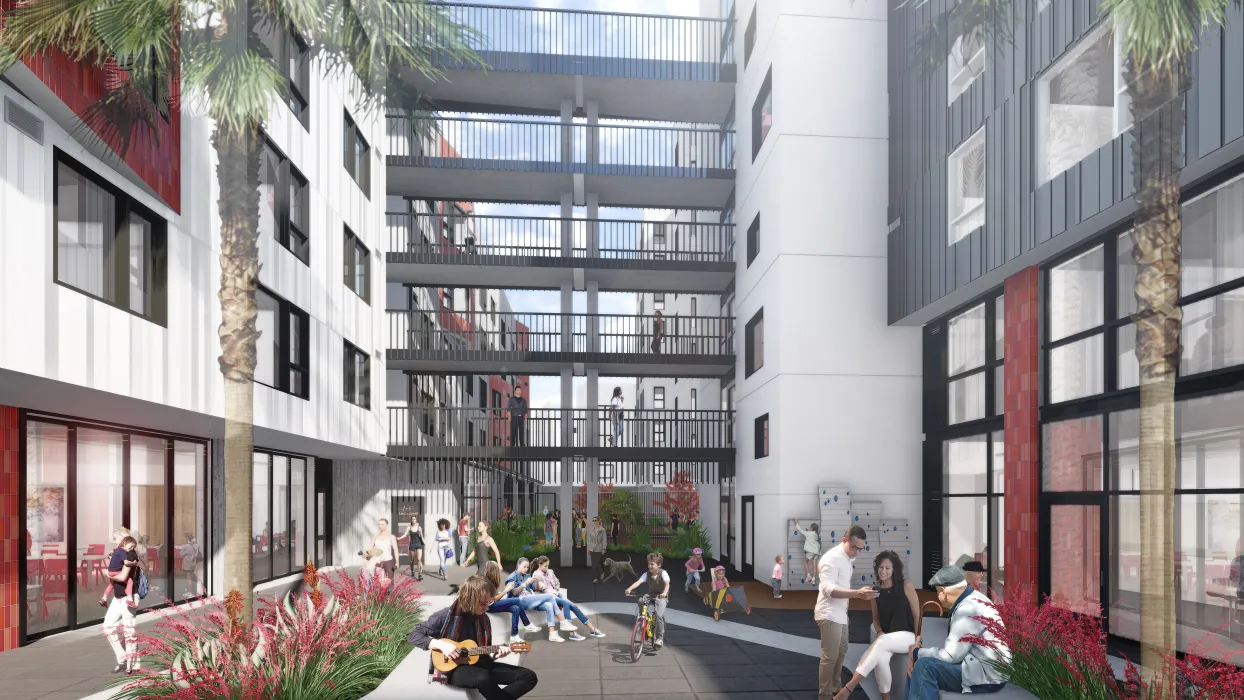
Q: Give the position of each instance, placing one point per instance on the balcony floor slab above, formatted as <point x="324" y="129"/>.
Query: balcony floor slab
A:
<point x="552" y="363"/>
<point x="546" y="272"/>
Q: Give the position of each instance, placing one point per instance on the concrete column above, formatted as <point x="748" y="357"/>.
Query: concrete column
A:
<point x="593" y="226"/>
<point x="593" y="437"/>
<point x="567" y="319"/>
<point x="565" y="500"/>
<point x="567" y="131"/>
<point x="594" y="322"/>
<point x="567" y="227"/>
<point x="593" y="131"/>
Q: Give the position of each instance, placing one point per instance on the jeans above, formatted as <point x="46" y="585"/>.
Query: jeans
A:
<point x="486" y="675"/>
<point x="692" y="576"/>
<point x="777" y="587"/>
<point x="931" y="675"/>
<point x="462" y="548"/>
<point x="568" y="607"/>
<point x="657" y="607"/>
<point x="543" y="602"/>
<point x="514" y="606"/>
<point x="617" y="432"/>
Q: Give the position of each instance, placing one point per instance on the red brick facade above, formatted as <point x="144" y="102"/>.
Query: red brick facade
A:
<point x="1023" y="460"/>
<point x="12" y="541"/>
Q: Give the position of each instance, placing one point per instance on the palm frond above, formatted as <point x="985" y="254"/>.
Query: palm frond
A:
<point x="1159" y="34"/>
<point x="38" y="26"/>
<point x="981" y="22"/>
<point x="124" y="111"/>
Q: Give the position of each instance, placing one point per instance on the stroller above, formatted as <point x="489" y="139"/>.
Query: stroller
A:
<point x="728" y="599"/>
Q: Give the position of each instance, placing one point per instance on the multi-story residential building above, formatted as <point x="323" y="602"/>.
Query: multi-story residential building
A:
<point x="1011" y="201"/>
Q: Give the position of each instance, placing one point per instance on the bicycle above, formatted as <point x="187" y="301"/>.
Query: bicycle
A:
<point x="641" y="634"/>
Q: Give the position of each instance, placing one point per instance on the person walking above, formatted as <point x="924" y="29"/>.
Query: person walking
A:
<point x="414" y="545"/>
<point x="896" y="620"/>
<point x="517" y="407"/>
<point x="962" y="664"/>
<point x="833" y="596"/>
<point x="483" y="544"/>
<point x="387" y="544"/>
<point x="118" y="627"/>
<point x="675" y="517"/>
<point x="596" y="548"/>
<point x="658" y="331"/>
<point x="444" y="544"/>
<point x="615" y="530"/>
<point x="464" y="536"/>
<point x="615" y="418"/>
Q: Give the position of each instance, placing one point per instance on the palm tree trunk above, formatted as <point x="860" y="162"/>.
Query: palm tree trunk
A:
<point x="1158" y="121"/>
<point x="238" y="175"/>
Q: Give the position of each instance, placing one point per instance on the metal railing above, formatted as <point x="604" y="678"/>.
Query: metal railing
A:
<point x="436" y="427"/>
<point x="440" y="331"/>
<point x="613" y="239"/>
<point x="608" y="44"/>
<point x="546" y="146"/>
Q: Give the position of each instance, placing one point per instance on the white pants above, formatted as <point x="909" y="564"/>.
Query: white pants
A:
<point x="118" y="624"/>
<point x="878" y="656"/>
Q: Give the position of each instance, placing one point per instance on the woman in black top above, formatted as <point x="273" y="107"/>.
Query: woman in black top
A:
<point x="896" y="617"/>
<point x="415" y="533"/>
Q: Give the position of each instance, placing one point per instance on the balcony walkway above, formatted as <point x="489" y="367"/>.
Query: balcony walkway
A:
<point x="634" y="66"/>
<point x="515" y="252"/>
<point x="523" y="161"/>
<point x="547" y="343"/>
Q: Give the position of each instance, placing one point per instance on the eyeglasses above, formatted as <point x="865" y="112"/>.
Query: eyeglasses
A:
<point x="853" y="549"/>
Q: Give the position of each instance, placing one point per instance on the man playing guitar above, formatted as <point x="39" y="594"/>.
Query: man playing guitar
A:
<point x="465" y="620"/>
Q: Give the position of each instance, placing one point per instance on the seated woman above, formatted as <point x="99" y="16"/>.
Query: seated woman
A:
<point x="896" y="617"/>
<point x="466" y="620"/>
<point x="514" y="595"/>
<point x="546" y="582"/>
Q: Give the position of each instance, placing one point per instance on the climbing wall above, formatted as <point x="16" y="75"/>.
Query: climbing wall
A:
<point x="837" y="512"/>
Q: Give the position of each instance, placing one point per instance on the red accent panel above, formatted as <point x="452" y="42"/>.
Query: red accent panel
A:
<point x="10" y="532"/>
<point x="155" y="157"/>
<point x="1021" y="380"/>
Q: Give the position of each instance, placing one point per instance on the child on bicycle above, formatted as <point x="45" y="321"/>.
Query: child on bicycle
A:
<point x="658" y="586"/>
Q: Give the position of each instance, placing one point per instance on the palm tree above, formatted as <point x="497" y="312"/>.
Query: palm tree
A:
<point x="213" y="54"/>
<point x="1158" y="38"/>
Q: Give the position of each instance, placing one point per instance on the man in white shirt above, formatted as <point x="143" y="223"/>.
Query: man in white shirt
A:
<point x="835" y="593"/>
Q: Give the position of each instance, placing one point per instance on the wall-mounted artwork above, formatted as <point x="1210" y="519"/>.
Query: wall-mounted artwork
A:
<point x="45" y="513"/>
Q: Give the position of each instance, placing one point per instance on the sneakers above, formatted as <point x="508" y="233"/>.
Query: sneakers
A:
<point x="576" y="637"/>
<point x="658" y="644"/>
<point x="597" y="633"/>
<point x="555" y="637"/>
<point x="532" y="628"/>
<point x="515" y="639"/>
<point x="568" y="626"/>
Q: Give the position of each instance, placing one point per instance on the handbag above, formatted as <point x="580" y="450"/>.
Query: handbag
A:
<point x="143" y="588"/>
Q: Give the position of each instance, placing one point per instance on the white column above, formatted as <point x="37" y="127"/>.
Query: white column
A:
<point x="567" y="227"/>
<point x="565" y="499"/>
<point x="592" y="439"/>
<point x="593" y="226"/>
<point x="594" y="322"/>
<point x="567" y="319"/>
<point x="593" y="131"/>
<point x="567" y="131"/>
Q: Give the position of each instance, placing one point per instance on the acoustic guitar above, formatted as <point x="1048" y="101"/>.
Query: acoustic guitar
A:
<point x="471" y="653"/>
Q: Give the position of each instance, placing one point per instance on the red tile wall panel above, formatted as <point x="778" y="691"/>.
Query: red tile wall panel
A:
<point x="12" y="540"/>
<point x="1020" y="383"/>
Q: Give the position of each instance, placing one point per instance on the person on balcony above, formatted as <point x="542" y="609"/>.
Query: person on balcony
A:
<point x="518" y="418"/>
<point x="658" y="332"/>
<point x="615" y="417"/>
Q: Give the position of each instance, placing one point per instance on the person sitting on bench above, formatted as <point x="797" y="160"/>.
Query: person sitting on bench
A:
<point x="959" y="665"/>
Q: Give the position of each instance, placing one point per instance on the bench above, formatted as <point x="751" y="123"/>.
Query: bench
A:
<point x="411" y="678"/>
<point x="933" y="634"/>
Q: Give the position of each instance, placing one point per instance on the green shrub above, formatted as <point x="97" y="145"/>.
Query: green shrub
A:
<point x="640" y="539"/>
<point x="687" y="538"/>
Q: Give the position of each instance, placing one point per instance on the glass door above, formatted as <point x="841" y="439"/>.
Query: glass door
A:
<point x="1074" y="574"/>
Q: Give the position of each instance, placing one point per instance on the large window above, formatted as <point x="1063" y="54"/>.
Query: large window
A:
<point x="762" y="437"/>
<point x="1081" y="103"/>
<point x="278" y="515"/>
<point x="967" y="187"/>
<point x="966" y="61"/>
<point x="108" y="246"/>
<point x="282" y="352"/>
<point x="658" y="398"/>
<point x="356" y="154"/>
<point x="762" y="114"/>
<point x="357" y="374"/>
<point x="972" y="505"/>
<point x="284" y="203"/>
<point x="974" y="363"/>
<point x="97" y="478"/>
<point x="753" y="240"/>
<point x="357" y="265"/>
<point x="755" y="340"/>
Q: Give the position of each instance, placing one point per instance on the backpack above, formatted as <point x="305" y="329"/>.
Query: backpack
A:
<point x="142" y="588"/>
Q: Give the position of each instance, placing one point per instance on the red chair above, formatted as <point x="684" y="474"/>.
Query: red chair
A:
<point x="95" y="566"/>
<point x="55" y="584"/>
<point x="153" y="559"/>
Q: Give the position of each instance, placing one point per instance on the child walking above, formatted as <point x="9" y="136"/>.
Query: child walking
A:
<point x="658" y="582"/>
<point x="695" y="567"/>
<point x="777" y="575"/>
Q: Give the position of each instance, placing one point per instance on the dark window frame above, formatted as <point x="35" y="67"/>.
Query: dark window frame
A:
<point x="750" y="366"/>
<point x="287" y="316"/>
<point x="356" y="389"/>
<point x="761" y="438"/>
<point x="286" y="176"/>
<point x="765" y="93"/>
<point x="352" y="248"/>
<point x="753" y="240"/>
<point x="749" y="37"/>
<point x="356" y="163"/>
<point x="308" y="465"/>
<point x="299" y="85"/>
<point x="155" y="256"/>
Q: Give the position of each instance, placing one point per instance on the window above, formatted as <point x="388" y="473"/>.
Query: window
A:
<point x="658" y="234"/>
<point x="974" y="359"/>
<point x="755" y="339"/>
<point x="753" y="240"/>
<point x="357" y="155"/>
<point x="278" y="515"/>
<point x="1076" y="311"/>
<point x="282" y="352"/>
<point x="658" y="398"/>
<point x="496" y="399"/>
<point x="658" y="301"/>
<point x="749" y="36"/>
<point x="356" y="371"/>
<point x="693" y="400"/>
<point x="762" y="114"/>
<point x="357" y="267"/>
<point x="973" y="481"/>
<point x="397" y="387"/>
<point x="762" y="436"/>
<point x="108" y="246"/>
<point x="483" y="394"/>
<point x="284" y="204"/>
<point x="966" y="61"/>
<point x="967" y="187"/>
<point x="297" y="71"/>
<point x="1081" y="103"/>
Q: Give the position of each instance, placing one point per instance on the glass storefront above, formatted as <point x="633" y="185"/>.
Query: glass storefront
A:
<point x="82" y="482"/>
<point x="278" y="515"/>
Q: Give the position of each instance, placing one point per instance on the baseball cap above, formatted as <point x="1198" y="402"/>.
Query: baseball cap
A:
<point x="947" y="576"/>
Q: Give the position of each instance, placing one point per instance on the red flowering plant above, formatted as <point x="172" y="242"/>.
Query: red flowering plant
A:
<point x="1197" y="675"/>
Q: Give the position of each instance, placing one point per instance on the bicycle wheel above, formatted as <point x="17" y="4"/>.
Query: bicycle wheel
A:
<point x="637" y="638"/>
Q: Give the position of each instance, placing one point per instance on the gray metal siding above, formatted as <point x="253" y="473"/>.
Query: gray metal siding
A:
<point x="1020" y="216"/>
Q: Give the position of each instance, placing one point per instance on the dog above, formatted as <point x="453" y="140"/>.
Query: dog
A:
<point x="617" y="568"/>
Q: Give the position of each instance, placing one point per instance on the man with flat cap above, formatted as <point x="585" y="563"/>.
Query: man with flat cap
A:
<point x="958" y="666"/>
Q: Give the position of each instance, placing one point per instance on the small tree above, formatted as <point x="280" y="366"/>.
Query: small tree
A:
<point x="680" y="495"/>
<point x="604" y="492"/>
